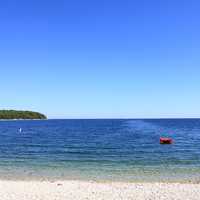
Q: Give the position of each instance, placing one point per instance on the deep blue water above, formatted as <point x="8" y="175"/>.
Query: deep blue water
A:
<point x="123" y="150"/>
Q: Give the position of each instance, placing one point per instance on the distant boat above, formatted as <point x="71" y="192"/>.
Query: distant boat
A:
<point x="166" y="140"/>
<point x="20" y="130"/>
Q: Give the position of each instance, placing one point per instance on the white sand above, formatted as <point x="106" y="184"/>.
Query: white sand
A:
<point x="76" y="190"/>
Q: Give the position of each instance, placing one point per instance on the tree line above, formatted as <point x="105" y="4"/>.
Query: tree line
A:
<point x="18" y="114"/>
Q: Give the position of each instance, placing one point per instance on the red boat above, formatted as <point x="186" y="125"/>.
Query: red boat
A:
<point x="165" y="140"/>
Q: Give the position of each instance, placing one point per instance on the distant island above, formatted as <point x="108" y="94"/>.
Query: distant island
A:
<point x="18" y="114"/>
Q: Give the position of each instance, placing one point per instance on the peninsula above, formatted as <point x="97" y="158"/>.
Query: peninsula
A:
<point x="18" y="114"/>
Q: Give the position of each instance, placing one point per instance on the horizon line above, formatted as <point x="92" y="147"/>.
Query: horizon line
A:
<point x="105" y="118"/>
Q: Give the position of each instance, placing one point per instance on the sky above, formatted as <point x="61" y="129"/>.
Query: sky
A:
<point x="101" y="59"/>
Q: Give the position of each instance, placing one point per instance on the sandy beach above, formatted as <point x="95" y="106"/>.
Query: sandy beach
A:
<point x="78" y="190"/>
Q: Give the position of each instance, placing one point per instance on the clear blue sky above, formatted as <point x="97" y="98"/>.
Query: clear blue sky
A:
<point x="96" y="59"/>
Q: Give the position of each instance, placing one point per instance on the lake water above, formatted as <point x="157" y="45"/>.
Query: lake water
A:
<point x="101" y="150"/>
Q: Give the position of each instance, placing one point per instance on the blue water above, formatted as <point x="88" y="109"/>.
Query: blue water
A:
<point x="108" y="150"/>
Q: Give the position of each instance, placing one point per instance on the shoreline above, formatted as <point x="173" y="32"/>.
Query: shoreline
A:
<point x="23" y="119"/>
<point x="108" y="181"/>
<point x="90" y="190"/>
<point x="138" y="178"/>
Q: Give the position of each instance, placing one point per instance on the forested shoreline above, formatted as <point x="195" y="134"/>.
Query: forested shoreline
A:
<point x="19" y="114"/>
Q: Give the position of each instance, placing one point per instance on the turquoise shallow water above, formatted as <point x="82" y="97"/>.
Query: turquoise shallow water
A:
<point x="102" y="150"/>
